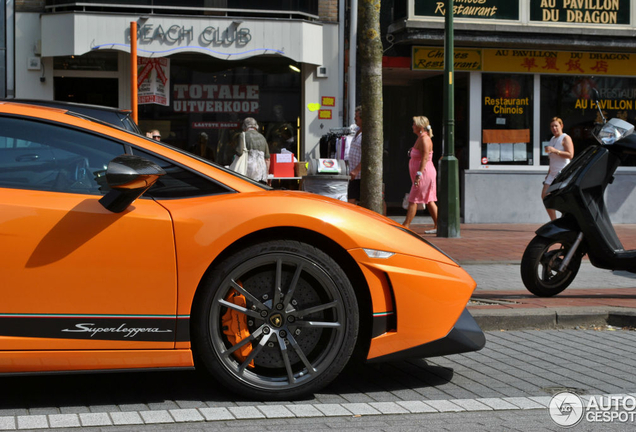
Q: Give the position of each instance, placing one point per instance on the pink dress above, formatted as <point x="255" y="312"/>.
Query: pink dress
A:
<point x="426" y="191"/>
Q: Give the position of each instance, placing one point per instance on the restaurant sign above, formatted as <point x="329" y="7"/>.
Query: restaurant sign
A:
<point x="425" y="58"/>
<point x="608" y="12"/>
<point x="475" y="9"/>
<point x="527" y="61"/>
<point x="559" y="62"/>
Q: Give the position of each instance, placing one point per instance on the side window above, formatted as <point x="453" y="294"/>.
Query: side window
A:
<point x="46" y="157"/>
<point x="179" y="182"/>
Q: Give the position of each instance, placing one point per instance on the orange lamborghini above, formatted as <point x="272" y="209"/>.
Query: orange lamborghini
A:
<point x="120" y="253"/>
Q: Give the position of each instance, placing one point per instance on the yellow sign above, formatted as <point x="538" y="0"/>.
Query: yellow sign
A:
<point x="558" y="62"/>
<point x="433" y="59"/>
<point x="324" y="114"/>
<point x="328" y="101"/>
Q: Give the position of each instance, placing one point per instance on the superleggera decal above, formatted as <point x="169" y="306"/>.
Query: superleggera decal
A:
<point x="155" y="329"/>
<point x="130" y="332"/>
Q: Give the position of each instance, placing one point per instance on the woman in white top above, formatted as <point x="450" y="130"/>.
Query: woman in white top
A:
<point x="561" y="151"/>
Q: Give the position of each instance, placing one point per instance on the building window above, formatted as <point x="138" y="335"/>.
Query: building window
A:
<point x="570" y="98"/>
<point x="93" y="61"/>
<point x="210" y="98"/>
<point x="507" y="107"/>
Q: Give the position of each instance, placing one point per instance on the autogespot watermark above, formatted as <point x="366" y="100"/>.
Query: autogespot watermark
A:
<point x="568" y="409"/>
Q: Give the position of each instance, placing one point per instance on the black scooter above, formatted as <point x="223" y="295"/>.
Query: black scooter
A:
<point x="552" y="259"/>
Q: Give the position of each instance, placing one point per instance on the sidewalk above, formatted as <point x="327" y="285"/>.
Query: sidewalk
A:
<point x="491" y="254"/>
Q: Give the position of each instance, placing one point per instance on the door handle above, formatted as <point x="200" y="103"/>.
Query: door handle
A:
<point x="27" y="157"/>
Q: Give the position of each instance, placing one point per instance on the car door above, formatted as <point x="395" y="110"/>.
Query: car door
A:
<point x="74" y="275"/>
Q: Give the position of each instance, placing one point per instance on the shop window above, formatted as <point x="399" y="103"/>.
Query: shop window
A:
<point x="93" y="61"/>
<point x="507" y="119"/>
<point x="209" y="99"/>
<point x="570" y="98"/>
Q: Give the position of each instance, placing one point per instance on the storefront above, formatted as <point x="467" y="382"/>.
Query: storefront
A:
<point x="198" y="76"/>
<point x="517" y="65"/>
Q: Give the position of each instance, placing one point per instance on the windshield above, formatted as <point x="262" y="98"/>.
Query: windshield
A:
<point x="579" y="161"/>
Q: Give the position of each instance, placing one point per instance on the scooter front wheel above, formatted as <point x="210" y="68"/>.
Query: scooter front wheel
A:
<point x="540" y="266"/>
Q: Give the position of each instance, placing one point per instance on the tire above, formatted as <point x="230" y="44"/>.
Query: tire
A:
<point x="540" y="266"/>
<point x="295" y="340"/>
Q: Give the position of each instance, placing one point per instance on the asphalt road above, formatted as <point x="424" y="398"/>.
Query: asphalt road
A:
<point x="506" y="386"/>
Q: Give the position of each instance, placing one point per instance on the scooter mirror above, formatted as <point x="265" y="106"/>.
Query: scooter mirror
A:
<point x="597" y="97"/>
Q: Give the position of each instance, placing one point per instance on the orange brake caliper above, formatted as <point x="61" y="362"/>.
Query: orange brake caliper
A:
<point x="235" y="326"/>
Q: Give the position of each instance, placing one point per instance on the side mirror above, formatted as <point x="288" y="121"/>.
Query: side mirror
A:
<point x="595" y="94"/>
<point x="597" y="97"/>
<point x="129" y="177"/>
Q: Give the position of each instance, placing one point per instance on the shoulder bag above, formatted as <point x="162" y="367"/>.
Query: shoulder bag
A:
<point x="239" y="164"/>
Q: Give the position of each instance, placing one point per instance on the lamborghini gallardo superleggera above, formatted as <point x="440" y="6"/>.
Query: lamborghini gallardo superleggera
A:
<point x="118" y="252"/>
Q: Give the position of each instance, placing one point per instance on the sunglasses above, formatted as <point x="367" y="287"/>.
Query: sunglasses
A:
<point x="156" y="136"/>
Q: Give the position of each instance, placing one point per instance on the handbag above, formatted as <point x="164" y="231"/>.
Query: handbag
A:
<point x="239" y="164"/>
<point x="405" y="202"/>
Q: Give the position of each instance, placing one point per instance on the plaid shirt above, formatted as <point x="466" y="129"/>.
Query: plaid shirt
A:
<point x="355" y="153"/>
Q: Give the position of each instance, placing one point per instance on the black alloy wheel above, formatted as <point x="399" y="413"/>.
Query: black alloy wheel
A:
<point x="277" y="320"/>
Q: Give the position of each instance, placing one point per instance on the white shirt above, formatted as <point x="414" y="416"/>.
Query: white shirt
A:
<point x="557" y="163"/>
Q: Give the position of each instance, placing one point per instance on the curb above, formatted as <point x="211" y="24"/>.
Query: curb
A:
<point x="550" y="319"/>
<point x="193" y="416"/>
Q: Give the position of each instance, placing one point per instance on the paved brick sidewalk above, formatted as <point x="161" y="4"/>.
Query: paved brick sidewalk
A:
<point x="500" y="242"/>
<point x="616" y="297"/>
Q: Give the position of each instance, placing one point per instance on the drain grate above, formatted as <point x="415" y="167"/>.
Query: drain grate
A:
<point x="483" y="302"/>
<point x="557" y="390"/>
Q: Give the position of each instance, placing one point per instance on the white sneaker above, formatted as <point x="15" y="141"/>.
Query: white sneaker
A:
<point x="433" y="231"/>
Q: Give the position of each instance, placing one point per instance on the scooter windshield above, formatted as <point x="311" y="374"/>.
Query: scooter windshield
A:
<point x="570" y="171"/>
<point x="613" y="131"/>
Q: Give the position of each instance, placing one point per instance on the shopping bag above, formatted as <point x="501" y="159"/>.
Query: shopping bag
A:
<point x="239" y="164"/>
<point x="405" y="202"/>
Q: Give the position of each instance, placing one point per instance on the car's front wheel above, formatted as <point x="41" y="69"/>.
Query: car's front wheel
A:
<point x="277" y="320"/>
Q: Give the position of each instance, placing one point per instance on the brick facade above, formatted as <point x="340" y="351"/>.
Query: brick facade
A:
<point x="328" y="10"/>
<point x="29" y="5"/>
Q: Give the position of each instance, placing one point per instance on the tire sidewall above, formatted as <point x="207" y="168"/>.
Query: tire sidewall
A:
<point x="530" y="261"/>
<point x="202" y="339"/>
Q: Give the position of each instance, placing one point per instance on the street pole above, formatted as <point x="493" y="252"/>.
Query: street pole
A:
<point x="448" y="217"/>
<point x="133" y="70"/>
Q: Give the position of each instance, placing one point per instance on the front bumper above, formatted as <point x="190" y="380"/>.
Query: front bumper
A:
<point x="465" y="336"/>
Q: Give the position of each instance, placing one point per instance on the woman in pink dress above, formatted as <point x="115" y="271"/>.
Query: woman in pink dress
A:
<point x="423" y="173"/>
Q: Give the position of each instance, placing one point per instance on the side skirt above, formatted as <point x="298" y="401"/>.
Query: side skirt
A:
<point x="12" y="362"/>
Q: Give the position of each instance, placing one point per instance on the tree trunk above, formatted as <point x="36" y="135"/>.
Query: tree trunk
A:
<point x="370" y="61"/>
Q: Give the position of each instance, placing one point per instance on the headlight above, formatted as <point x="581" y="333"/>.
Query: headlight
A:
<point x="372" y="253"/>
<point x="613" y="131"/>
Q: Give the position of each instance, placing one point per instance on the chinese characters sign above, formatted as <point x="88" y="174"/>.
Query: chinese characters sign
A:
<point x="480" y="9"/>
<point x="558" y="62"/>
<point x="527" y="61"/>
<point x="581" y="11"/>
